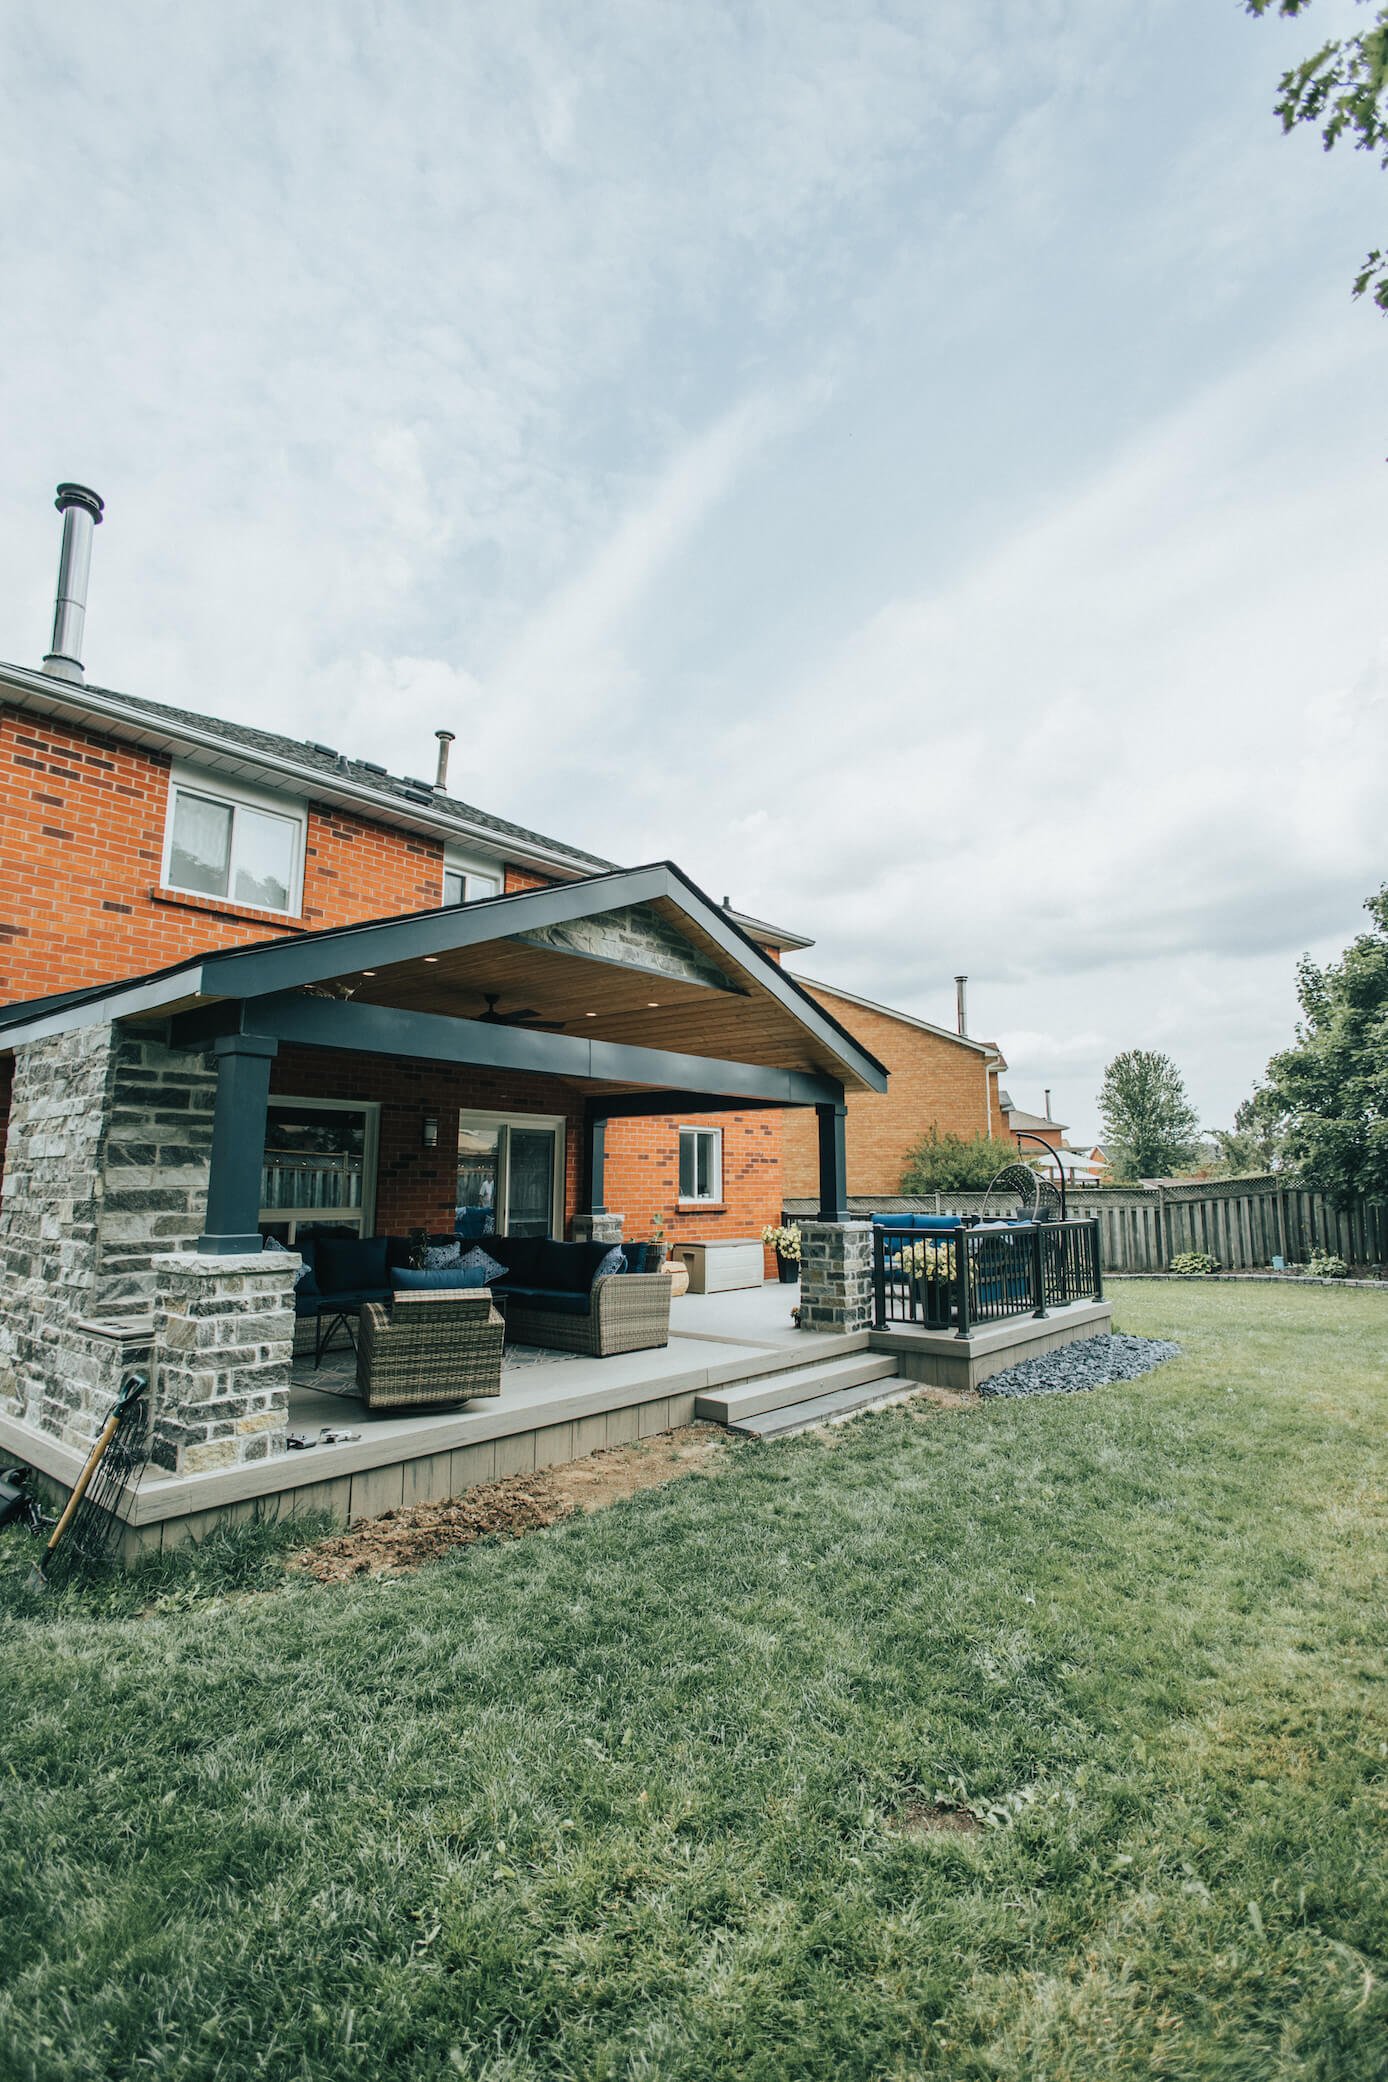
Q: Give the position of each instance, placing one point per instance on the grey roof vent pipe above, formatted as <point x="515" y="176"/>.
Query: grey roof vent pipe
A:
<point x="81" y="510"/>
<point x="445" y="738"/>
<point x="961" y="1003"/>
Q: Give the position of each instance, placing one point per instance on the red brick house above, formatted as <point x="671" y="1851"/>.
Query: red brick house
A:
<point x="134" y="835"/>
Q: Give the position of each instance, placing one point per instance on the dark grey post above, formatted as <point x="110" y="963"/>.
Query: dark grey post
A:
<point x="1098" y="1263"/>
<point x="961" y="1283"/>
<point x="238" y="1144"/>
<point x="1038" y="1269"/>
<point x="833" y="1162"/>
<point x="594" y="1161"/>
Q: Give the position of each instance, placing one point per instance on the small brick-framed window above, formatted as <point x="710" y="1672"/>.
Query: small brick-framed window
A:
<point x="467" y="879"/>
<point x="701" y="1164"/>
<point x="233" y="842"/>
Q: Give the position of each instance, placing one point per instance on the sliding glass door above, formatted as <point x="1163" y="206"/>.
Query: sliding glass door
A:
<point x="510" y="1174"/>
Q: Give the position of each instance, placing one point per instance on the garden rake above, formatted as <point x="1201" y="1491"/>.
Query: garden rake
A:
<point x="89" y="1520"/>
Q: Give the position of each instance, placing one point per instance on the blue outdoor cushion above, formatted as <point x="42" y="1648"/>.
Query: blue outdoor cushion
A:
<point x="932" y="1222"/>
<point x="551" y="1301"/>
<point x="404" y="1279"/>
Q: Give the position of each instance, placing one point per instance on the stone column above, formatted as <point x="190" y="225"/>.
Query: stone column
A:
<point x="597" y="1228"/>
<point x="223" y="1339"/>
<point x="835" y="1276"/>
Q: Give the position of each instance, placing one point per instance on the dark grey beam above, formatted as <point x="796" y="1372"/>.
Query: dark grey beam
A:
<point x="641" y="1105"/>
<point x="432" y="1037"/>
<point x="833" y="1162"/>
<point x="238" y="1144"/>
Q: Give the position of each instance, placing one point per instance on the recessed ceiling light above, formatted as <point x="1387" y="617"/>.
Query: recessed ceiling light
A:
<point x="431" y="957"/>
<point x="590" y="1015"/>
<point x="652" y="1004"/>
<point x="368" y="972"/>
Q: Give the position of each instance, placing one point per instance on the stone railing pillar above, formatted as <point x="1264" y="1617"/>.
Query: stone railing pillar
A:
<point x="835" y="1276"/>
<point x="223" y="1340"/>
<point x="597" y="1228"/>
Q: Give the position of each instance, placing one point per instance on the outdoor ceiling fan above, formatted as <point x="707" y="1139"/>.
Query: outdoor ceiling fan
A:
<point x="524" y="1016"/>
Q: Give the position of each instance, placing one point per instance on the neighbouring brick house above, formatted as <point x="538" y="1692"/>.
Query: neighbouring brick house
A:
<point x="938" y="1079"/>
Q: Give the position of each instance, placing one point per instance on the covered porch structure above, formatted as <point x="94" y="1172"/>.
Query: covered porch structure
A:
<point x="134" y="1206"/>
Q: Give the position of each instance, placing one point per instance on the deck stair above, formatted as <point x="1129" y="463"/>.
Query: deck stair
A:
<point x="793" y="1397"/>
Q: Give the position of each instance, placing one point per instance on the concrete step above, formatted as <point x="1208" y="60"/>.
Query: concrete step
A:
<point x="823" y="1409"/>
<point x="736" y="1400"/>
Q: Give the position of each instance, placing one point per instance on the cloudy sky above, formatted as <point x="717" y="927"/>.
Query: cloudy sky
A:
<point x="916" y="465"/>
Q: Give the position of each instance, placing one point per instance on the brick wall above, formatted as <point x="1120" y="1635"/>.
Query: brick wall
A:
<point x="642" y="1176"/>
<point x="417" y="1187"/>
<point x="81" y="848"/>
<point x="935" y="1082"/>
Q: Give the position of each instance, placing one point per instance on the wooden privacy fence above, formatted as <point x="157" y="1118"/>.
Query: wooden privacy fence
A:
<point x="1243" y="1222"/>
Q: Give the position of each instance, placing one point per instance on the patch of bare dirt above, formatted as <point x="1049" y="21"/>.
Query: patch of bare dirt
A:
<point x="511" y="1507"/>
<point x="921" y="1819"/>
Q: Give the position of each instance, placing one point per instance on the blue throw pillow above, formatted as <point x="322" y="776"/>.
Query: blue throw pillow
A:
<point x="405" y="1280"/>
<point x="614" y="1262"/>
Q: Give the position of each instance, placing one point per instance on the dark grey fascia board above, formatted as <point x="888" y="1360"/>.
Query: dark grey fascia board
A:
<point x="433" y="1037"/>
<point x="101" y="707"/>
<point x="112" y="1003"/>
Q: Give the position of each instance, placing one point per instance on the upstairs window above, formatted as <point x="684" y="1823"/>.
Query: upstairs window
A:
<point x="701" y="1163"/>
<point x="234" y="846"/>
<point x="468" y="881"/>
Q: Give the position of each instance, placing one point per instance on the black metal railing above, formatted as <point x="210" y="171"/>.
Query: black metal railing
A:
<point x="966" y="1279"/>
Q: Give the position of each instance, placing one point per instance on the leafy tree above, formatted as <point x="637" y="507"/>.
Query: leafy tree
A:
<point x="950" y="1164"/>
<point x="1150" y="1127"/>
<point x="1257" y="1142"/>
<point x="1343" y="87"/>
<point x="1331" y="1088"/>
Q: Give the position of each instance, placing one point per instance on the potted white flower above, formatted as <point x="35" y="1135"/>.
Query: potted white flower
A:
<point x="785" y="1242"/>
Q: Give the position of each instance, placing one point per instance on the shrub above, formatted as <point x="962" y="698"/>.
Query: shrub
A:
<point x="948" y="1164"/>
<point x="1324" y="1266"/>
<point x="1193" y="1264"/>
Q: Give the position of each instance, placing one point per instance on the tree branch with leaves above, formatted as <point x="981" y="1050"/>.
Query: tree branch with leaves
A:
<point x="1343" y="89"/>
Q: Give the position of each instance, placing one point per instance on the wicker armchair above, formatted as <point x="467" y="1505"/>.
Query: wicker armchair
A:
<point x="438" y="1346"/>
<point x="630" y="1313"/>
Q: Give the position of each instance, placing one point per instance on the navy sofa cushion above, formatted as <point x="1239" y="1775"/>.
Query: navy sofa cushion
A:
<point x="550" y="1301"/>
<point x="519" y="1254"/>
<point x="930" y="1222"/>
<point x="345" y="1263"/>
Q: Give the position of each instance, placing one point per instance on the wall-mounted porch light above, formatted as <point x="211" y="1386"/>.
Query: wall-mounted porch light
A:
<point x="431" y="1132"/>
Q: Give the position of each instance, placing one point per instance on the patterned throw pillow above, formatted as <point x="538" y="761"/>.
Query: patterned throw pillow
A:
<point x="479" y="1259"/>
<point x="272" y="1243"/>
<point x="437" y="1255"/>
<point x="615" y="1261"/>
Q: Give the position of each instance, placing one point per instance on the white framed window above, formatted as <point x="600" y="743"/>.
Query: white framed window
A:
<point x="510" y="1174"/>
<point x="701" y="1164"/>
<point x="233" y="842"/>
<point x="320" y="1165"/>
<point x="468" y="877"/>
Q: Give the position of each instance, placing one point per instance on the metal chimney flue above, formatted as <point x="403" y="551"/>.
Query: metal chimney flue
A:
<point x="961" y="1003"/>
<point x="445" y="738"/>
<point x="1048" y="1102"/>
<point x="81" y="510"/>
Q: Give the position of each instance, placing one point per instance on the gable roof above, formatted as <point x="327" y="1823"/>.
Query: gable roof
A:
<point x="907" y="1019"/>
<point x="384" y="947"/>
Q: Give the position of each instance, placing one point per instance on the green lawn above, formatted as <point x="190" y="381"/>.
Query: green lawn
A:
<point x="617" y="1800"/>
